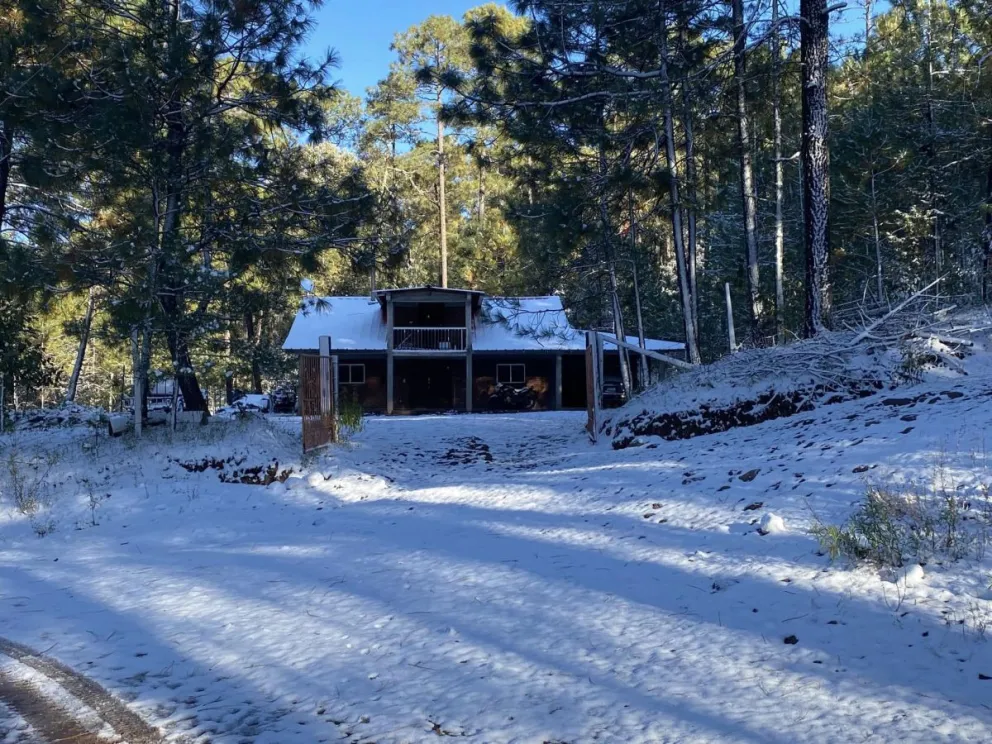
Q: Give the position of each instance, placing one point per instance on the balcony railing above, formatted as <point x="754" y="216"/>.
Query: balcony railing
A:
<point x="415" y="338"/>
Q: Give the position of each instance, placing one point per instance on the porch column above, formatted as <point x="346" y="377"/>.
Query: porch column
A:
<point x="469" y="380"/>
<point x="389" y="353"/>
<point x="557" y="382"/>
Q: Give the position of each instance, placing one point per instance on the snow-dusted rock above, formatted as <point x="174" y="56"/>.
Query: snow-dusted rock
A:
<point x="315" y="480"/>
<point x="771" y="524"/>
<point x="911" y="576"/>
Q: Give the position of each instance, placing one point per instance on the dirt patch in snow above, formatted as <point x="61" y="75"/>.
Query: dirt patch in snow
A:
<point x="255" y="475"/>
<point x="712" y="419"/>
<point x="54" y="724"/>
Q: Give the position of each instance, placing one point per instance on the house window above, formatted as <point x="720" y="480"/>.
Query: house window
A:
<point x="351" y="374"/>
<point x="511" y="374"/>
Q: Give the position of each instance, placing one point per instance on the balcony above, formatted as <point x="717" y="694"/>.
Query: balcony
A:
<point x="423" y="339"/>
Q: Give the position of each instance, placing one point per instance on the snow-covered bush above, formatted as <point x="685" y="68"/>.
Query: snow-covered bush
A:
<point x="24" y="482"/>
<point x="894" y="526"/>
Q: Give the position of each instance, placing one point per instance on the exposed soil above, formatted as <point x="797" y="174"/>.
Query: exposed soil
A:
<point x="258" y="475"/>
<point x="51" y="723"/>
<point x="709" y="419"/>
<point x="54" y="724"/>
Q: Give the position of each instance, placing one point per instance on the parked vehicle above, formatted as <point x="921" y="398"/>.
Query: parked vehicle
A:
<point x="283" y="399"/>
<point x="508" y="398"/>
<point x="613" y="394"/>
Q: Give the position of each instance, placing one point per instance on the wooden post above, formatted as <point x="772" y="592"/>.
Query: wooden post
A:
<point x="469" y="378"/>
<point x="389" y="353"/>
<point x="175" y="401"/>
<point x="326" y="401"/>
<point x="557" y="382"/>
<point x="335" y="398"/>
<point x="593" y="370"/>
<point x="732" y="338"/>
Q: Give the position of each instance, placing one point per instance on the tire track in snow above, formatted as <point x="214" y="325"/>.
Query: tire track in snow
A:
<point x="55" y="724"/>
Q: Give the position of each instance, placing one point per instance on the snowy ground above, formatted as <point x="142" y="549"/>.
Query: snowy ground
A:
<point x="499" y="578"/>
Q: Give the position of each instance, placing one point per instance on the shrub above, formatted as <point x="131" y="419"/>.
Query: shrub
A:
<point x="892" y="527"/>
<point x="351" y="417"/>
<point x="25" y="482"/>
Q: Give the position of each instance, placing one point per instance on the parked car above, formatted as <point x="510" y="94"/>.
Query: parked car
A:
<point x="245" y="405"/>
<point x="283" y="399"/>
<point x="613" y="394"/>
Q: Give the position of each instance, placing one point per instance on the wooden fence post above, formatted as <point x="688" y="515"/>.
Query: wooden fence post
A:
<point x="593" y="382"/>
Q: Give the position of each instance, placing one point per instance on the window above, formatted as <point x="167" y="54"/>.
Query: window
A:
<point x="511" y="374"/>
<point x="351" y="374"/>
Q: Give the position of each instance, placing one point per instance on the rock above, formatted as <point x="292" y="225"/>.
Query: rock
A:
<point x="790" y="640"/>
<point x="750" y="475"/>
<point x="771" y="524"/>
<point x="911" y="576"/>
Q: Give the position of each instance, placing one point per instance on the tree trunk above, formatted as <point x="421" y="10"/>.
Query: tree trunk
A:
<point x="987" y="235"/>
<point x="682" y="269"/>
<point x="252" y="334"/>
<point x="193" y="399"/>
<point x="779" y="176"/>
<point x="84" y="339"/>
<point x="482" y="193"/>
<point x="690" y="200"/>
<point x="879" y="278"/>
<point x="442" y="205"/>
<point x="6" y="158"/>
<point x="749" y="198"/>
<point x="814" y="43"/>
<point x="931" y="146"/>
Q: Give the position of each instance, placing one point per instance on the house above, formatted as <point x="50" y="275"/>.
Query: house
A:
<point x="426" y="349"/>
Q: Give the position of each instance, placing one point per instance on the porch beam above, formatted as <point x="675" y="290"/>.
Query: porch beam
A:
<point x="557" y="382"/>
<point x="469" y="379"/>
<point x="389" y="353"/>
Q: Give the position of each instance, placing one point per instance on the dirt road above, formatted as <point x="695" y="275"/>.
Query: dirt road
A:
<point x="53" y="723"/>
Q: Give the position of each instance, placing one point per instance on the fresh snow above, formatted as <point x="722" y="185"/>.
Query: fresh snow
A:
<point x="498" y="577"/>
<point x="505" y="324"/>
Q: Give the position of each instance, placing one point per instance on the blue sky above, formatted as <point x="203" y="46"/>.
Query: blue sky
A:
<point x="362" y="30"/>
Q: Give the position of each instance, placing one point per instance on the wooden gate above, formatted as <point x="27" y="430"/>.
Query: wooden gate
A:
<point x="318" y="399"/>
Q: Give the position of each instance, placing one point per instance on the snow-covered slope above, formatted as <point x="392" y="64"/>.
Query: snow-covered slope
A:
<point x="499" y="578"/>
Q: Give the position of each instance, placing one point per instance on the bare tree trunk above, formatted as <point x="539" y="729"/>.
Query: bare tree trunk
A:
<point x="682" y="269"/>
<point x="879" y="278"/>
<point x="690" y="200"/>
<point x="779" y="176"/>
<point x="442" y="204"/>
<point x="608" y="257"/>
<point x="749" y="198"/>
<point x="252" y="335"/>
<point x="931" y="146"/>
<point x="6" y="158"/>
<point x="987" y="234"/>
<point x="814" y="43"/>
<point x="138" y="377"/>
<point x="731" y="334"/>
<point x="482" y="193"/>
<point x="84" y="339"/>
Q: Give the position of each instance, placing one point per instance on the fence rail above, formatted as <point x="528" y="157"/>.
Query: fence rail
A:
<point x="415" y="338"/>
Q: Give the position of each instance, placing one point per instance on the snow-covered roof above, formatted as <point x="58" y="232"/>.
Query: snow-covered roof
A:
<point x="525" y="324"/>
<point x="353" y="323"/>
<point x="504" y="324"/>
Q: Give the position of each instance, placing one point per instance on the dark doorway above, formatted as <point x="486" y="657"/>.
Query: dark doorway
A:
<point x="573" y="387"/>
<point x="430" y="384"/>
